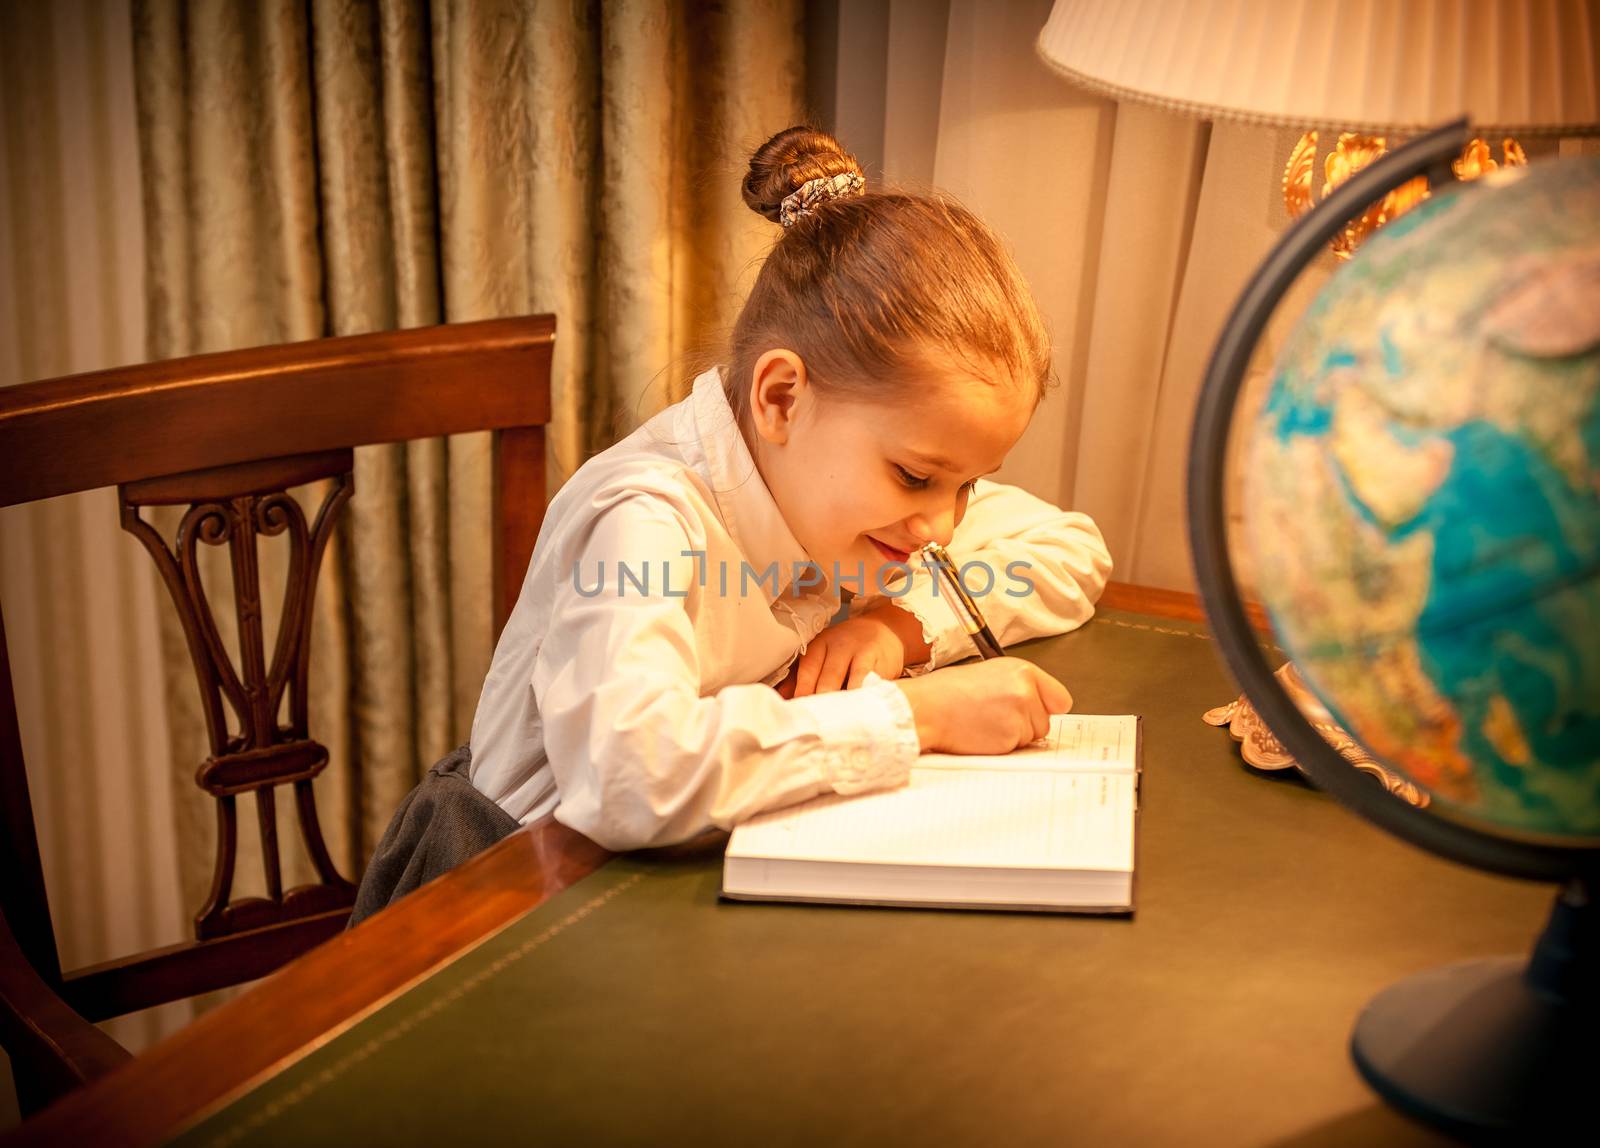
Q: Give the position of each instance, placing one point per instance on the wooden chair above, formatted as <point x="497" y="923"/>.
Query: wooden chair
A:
<point x="228" y="434"/>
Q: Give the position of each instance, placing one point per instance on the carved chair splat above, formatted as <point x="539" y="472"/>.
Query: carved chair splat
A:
<point x="232" y="506"/>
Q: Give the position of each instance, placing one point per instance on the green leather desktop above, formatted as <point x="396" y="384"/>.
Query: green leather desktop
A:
<point x="635" y="1007"/>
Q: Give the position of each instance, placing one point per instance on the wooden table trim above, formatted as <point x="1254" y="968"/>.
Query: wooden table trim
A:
<point x="1170" y="604"/>
<point x="310" y="1001"/>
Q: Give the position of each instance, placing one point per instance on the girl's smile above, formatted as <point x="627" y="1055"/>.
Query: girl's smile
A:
<point x="890" y="552"/>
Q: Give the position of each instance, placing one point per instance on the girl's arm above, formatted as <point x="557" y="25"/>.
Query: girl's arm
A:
<point x="640" y="758"/>
<point x="1033" y="569"/>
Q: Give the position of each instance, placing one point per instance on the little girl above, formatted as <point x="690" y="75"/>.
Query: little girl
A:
<point x="670" y="665"/>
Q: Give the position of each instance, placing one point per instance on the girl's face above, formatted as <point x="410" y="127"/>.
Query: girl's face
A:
<point x="861" y="484"/>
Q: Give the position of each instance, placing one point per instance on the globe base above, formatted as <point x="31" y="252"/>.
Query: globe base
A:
<point x="1492" y="1048"/>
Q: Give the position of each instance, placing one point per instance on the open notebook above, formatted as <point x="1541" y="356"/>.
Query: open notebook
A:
<point x="1050" y="826"/>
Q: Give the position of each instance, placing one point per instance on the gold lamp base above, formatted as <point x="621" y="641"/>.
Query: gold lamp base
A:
<point x="1352" y="152"/>
<point x="1262" y="750"/>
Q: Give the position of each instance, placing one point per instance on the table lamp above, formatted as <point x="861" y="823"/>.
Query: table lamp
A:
<point x="1351" y="74"/>
<point x="1485" y="690"/>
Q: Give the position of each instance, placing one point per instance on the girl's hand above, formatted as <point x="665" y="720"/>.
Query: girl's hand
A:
<point x="877" y="641"/>
<point x="994" y="706"/>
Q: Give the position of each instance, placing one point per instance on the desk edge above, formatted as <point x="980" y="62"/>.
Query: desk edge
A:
<point x="184" y="1078"/>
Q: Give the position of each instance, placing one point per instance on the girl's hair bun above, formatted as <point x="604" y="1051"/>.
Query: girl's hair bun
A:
<point x="787" y="160"/>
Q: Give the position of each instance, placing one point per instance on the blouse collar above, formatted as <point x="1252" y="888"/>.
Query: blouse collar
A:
<point x="712" y="444"/>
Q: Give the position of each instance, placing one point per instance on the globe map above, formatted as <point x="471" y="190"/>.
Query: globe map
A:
<point x="1421" y="497"/>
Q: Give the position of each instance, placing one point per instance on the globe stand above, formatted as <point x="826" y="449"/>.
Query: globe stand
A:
<point x="1493" y="1047"/>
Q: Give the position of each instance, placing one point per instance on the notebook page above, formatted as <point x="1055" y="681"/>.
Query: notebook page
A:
<point x="1097" y="742"/>
<point x="977" y="816"/>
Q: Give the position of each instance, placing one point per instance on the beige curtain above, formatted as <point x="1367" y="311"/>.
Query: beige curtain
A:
<point x="79" y="594"/>
<point x="330" y="168"/>
<point x="337" y="167"/>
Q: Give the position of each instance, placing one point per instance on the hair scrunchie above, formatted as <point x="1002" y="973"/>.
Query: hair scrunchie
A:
<point x="804" y="199"/>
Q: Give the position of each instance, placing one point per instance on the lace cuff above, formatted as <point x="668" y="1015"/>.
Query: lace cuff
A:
<point x="947" y="639"/>
<point x="871" y="736"/>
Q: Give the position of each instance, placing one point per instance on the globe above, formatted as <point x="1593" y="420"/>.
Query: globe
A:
<point x="1421" y="500"/>
<point x="1421" y="503"/>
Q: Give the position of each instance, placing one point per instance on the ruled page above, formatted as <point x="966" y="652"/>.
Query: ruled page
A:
<point x="1066" y="802"/>
<point x="1076" y="741"/>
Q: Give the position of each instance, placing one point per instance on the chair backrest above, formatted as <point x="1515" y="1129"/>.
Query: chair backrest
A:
<point x="228" y="435"/>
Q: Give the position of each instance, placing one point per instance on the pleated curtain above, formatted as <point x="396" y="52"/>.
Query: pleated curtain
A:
<point x="79" y="594"/>
<point x="183" y="177"/>
<point x="338" y="167"/>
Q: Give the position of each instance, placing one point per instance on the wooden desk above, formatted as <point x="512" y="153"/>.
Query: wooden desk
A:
<point x="541" y="992"/>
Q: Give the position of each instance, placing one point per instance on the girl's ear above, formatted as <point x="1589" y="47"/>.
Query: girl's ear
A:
<point x="777" y="383"/>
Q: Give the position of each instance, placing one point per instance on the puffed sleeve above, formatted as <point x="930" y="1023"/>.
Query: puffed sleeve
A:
<point x="1034" y="570"/>
<point x="639" y="756"/>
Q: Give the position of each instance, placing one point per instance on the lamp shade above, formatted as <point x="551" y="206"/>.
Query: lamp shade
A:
<point x="1527" y="67"/>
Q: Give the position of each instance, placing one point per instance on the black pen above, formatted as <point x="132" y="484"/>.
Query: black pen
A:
<point x="937" y="560"/>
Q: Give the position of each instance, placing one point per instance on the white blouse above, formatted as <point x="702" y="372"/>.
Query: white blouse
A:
<point x="631" y="691"/>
